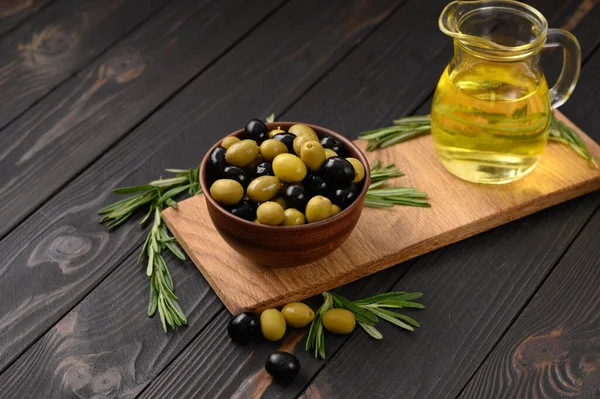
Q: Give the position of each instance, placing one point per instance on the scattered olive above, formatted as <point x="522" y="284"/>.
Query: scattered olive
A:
<point x="330" y="153"/>
<point x="333" y="143"/>
<point x="295" y="196"/>
<point x="270" y="148"/>
<point x="293" y="217"/>
<point x="300" y="129"/>
<point x="242" y="153"/>
<point x="337" y="169"/>
<point x="281" y="201"/>
<point x="359" y="169"/>
<point x="318" y="208"/>
<point x="243" y="328"/>
<point x="272" y="324"/>
<point x="245" y="209"/>
<point x="276" y="131"/>
<point x="264" y="169"/>
<point x="344" y="196"/>
<point x="228" y="141"/>
<point x="256" y="130"/>
<point x="289" y="168"/>
<point x="217" y="162"/>
<point x="236" y="173"/>
<point x="282" y="366"/>
<point x="335" y="209"/>
<point x="287" y="139"/>
<point x="227" y="191"/>
<point x="270" y="213"/>
<point x="297" y="314"/>
<point x="263" y="188"/>
<point x="339" y="321"/>
<point x="312" y="154"/>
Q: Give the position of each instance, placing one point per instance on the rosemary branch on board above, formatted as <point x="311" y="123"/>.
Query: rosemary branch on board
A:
<point x="407" y="128"/>
<point x="387" y="197"/>
<point x="367" y="311"/>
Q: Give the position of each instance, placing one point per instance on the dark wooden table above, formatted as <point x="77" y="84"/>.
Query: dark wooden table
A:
<point x="96" y="94"/>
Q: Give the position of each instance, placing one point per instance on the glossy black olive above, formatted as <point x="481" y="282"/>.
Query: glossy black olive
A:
<point x="236" y="173"/>
<point x="287" y="139"/>
<point x="217" y="162"/>
<point x="245" y="209"/>
<point x="282" y="366"/>
<point x="243" y="328"/>
<point x="264" y="169"/>
<point x="333" y="144"/>
<point x="337" y="170"/>
<point x="344" y="196"/>
<point x="256" y="130"/>
<point x="296" y="196"/>
<point x="316" y="185"/>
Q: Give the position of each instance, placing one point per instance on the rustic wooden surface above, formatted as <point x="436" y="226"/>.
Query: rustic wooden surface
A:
<point x="72" y="300"/>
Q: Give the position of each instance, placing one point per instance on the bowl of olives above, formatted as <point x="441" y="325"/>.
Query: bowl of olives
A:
<point x="284" y="193"/>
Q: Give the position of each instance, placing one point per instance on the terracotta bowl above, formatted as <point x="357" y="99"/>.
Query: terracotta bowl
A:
<point x="278" y="246"/>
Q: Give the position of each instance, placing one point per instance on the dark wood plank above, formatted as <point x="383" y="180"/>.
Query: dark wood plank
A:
<point x="109" y="97"/>
<point x="68" y="253"/>
<point x="13" y="12"/>
<point x="553" y="349"/>
<point x="56" y="42"/>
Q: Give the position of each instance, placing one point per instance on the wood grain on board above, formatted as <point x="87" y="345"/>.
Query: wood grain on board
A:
<point x="384" y="237"/>
<point x="13" y="12"/>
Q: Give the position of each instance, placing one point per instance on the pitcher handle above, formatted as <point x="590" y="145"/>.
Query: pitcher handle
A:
<point x="569" y="75"/>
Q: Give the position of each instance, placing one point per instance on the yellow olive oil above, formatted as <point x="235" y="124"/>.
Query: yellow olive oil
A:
<point x="490" y="121"/>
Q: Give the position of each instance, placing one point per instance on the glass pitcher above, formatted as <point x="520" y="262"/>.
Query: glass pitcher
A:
<point x="491" y="111"/>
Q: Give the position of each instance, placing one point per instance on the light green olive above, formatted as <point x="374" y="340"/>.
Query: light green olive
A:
<point x="270" y="148"/>
<point x="280" y="201"/>
<point x="300" y="129"/>
<point x="272" y="324"/>
<point x="293" y="217"/>
<point x="289" y="168"/>
<point x="359" y="169"/>
<point x="263" y="188"/>
<point x="276" y="131"/>
<point x="335" y="209"/>
<point x="339" y="321"/>
<point x="312" y="154"/>
<point x="252" y="165"/>
<point x="228" y="141"/>
<point x="227" y="191"/>
<point x="270" y="213"/>
<point x="297" y="314"/>
<point x="318" y="208"/>
<point x="330" y="153"/>
<point x="241" y="153"/>
<point x="300" y="140"/>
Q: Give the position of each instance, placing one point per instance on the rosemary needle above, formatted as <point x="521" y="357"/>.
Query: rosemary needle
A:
<point x="378" y="197"/>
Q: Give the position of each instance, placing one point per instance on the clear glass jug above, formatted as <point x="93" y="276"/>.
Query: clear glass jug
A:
<point x="491" y="110"/>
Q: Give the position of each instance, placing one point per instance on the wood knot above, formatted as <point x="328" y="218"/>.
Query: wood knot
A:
<point x="12" y="7"/>
<point x="84" y="382"/>
<point x="51" y="46"/>
<point x="539" y="350"/>
<point x="123" y="68"/>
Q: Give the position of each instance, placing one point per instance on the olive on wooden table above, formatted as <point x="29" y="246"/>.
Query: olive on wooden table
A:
<point x="339" y="321"/>
<point x="300" y="129"/>
<point x="318" y="208"/>
<point x="263" y="188"/>
<point x="297" y="314"/>
<point x="274" y="132"/>
<point x="359" y="169"/>
<point x="282" y="366"/>
<point x="217" y="162"/>
<point x="293" y="217"/>
<point x="270" y="213"/>
<point x="333" y="143"/>
<point x="236" y="173"/>
<point x="337" y="169"/>
<point x="335" y="209"/>
<point x="287" y="139"/>
<point x="272" y="324"/>
<point x="228" y="141"/>
<point x="263" y="169"/>
<point x="270" y="148"/>
<point x="344" y="196"/>
<point x="330" y="153"/>
<point x="256" y="130"/>
<point x="242" y="153"/>
<point x="289" y="168"/>
<point x="245" y="209"/>
<point x="296" y="196"/>
<point x="312" y="154"/>
<point x="243" y="328"/>
<point x="227" y="191"/>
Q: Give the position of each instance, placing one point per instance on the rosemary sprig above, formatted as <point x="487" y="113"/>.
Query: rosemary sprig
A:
<point x="368" y="312"/>
<point x="270" y="118"/>
<point x="156" y="195"/>
<point x="404" y="129"/>
<point x="378" y="197"/>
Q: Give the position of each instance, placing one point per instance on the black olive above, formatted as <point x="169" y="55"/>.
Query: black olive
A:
<point x="296" y="196"/>
<point x="287" y="139"/>
<point x="337" y="170"/>
<point x="264" y="169"/>
<point x="243" y="328"/>
<point x="315" y="184"/>
<point x="256" y="130"/>
<point x="245" y="209"/>
<point x="217" y="162"/>
<point x="236" y="173"/>
<point x="333" y="144"/>
<point x="344" y="196"/>
<point x="282" y="366"/>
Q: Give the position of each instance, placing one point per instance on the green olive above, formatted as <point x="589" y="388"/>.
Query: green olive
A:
<point x="330" y="153"/>
<point x="227" y="191"/>
<point x="300" y="140"/>
<point x="241" y="153"/>
<point x="281" y="201"/>
<point x="228" y="141"/>
<point x="270" y="213"/>
<point x="289" y="168"/>
<point x="256" y="221"/>
<point x="300" y="129"/>
<point x="255" y="162"/>
<point x="339" y="321"/>
<point x="263" y="188"/>
<point x="293" y="217"/>
<point x="318" y="208"/>
<point x="312" y="154"/>
<point x="335" y="209"/>
<point x="270" y="148"/>
<point x="276" y="131"/>
<point x="359" y="169"/>
<point x="297" y="314"/>
<point x="272" y="324"/>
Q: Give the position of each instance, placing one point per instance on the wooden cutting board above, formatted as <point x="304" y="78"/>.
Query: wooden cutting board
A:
<point x="385" y="237"/>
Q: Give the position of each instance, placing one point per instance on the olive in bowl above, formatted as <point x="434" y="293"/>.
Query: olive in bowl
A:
<point x="290" y="243"/>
